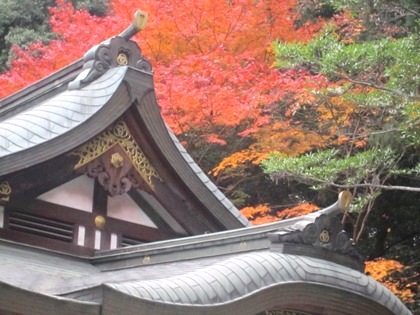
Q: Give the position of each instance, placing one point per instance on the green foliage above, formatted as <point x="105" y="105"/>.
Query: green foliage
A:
<point x="23" y="36"/>
<point x="325" y="168"/>
<point x="393" y="64"/>
<point x="388" y="71"/>
<point x="375" y="74"/>
<point x="20" y="26"/>
<point x="410" y="127"/>
<point x="94" y="7"/>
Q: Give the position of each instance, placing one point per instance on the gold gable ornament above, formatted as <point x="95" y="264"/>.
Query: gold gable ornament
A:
<point x="5" y="191"/>
<point x="122" y="59"/>
<point x="116" y="160"/>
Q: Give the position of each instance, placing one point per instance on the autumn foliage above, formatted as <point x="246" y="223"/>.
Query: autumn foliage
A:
<point x="389" y="273"/>
<point x="262" y="214"/>
<point x="216" y="50"/>
<point x="218" y="89"/>
<point x="213" y="70"/>
<point x="74" y="28"/>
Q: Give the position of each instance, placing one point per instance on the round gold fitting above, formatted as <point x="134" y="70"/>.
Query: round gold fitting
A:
<point x="324" y="237"/>
<point x="100" y="222"/>
<point x="122" y="59"/>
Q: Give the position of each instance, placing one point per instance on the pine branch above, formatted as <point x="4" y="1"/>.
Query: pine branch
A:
<point x="374" y="85"/>
<point x="309" y="180"/>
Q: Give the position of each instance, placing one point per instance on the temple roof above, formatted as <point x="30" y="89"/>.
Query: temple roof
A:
<point x="57" y="115"/>
<point x="207" y="274"/>
<point x="98" y="122"/>
<point x="33" y="133"/>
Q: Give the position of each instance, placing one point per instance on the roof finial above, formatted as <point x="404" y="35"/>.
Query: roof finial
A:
<point x="139" y="23"/>
<point x="114" y="52"/>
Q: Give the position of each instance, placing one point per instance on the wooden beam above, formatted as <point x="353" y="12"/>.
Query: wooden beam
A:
<point x="43" y="242"/>
<point x="100" y="200"/>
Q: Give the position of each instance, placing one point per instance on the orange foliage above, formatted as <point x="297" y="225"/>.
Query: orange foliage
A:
<point x="262" y="214"/>
<point x="222" y="90"/>
<point x="259" y="214"/>
<point x="257" y="211"/>
<point x="382" y="270"/>
<point x="78" y="31"/>
<point x="334" y="114"/>
<point x="265" y="219"/>
<point x="212" y="67"/>
<point x="297" y="211"/>
<point x="216" y="50"/>
<point x="180" y="28"/>
<point x="278" y="136"/>
<point x="239" y="158"/>
<point x="349" y="27"/>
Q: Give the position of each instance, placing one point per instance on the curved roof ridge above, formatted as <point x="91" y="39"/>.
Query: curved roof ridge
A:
<point x="58" y="115"/>
<point x="247" y="274"/>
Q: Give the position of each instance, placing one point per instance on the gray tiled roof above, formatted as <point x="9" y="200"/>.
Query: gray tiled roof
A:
<point x="39" y="270"/>
<point x="200" y="282"/>
<point x="247" y="273"/>
<point x="57" y="115"/>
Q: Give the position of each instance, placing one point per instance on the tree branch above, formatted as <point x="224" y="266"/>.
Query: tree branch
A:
<point x="414" y="12"/>
<point x="365" y="185"/>
<point x="385" y="187"/>
<point x="374" y="85"/>
<point x="404" y="238"/>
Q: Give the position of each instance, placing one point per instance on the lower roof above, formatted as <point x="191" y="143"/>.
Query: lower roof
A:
<point x="218" y="273"/>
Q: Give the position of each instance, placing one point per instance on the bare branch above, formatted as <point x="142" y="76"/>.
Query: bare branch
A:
<point x="376" y="86"/>
<point x="385" y="187"/>
<point x="413" y="12"/>
<point x="309" y="179"/>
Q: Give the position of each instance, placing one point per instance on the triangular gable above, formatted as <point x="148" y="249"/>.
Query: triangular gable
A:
<point x="77" y="193"/>
<point x="80" y="162"/>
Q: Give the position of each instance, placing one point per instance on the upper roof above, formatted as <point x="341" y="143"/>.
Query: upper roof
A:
<point x="68" y="112"/>
<point x="57" y="115"/>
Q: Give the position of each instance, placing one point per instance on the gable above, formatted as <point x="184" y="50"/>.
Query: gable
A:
<point x="95" y="166"/>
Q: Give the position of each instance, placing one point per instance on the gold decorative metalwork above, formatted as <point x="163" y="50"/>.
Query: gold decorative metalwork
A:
<point x="5" y="191"/>
<point x="324" y="236"/>
<point x="117" y="135"/>
<point x="243" y="246"/>
<point x="344" y="199"/>
<point x="122" y="59"/>
<point x="117" y="160"/>
<point x="140" y="19"/>
<point x="100" y="222"/>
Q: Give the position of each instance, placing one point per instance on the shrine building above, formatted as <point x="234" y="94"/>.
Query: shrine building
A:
<point x="103" y="211"/>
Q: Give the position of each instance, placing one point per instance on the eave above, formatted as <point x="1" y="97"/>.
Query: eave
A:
<point x="220" y="273"/>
